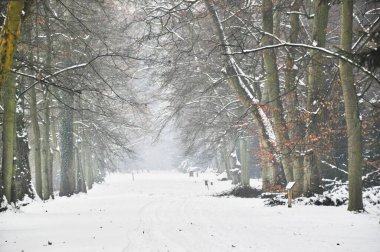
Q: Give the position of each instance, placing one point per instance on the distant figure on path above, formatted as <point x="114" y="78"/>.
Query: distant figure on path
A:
<point x="206" y="184"/>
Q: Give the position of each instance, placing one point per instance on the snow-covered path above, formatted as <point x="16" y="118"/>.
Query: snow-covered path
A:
<point x="172" y="212"/>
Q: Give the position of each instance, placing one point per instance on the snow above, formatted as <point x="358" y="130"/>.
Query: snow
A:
<point x="193" y="169"/>
<point x="268" y="126"/>
<point x="240" y="73"/>
<point x="333" y="166"/>
<point x="222" y="176"/>
<point x="290" y="185"/>
<point x="168" y="211"/>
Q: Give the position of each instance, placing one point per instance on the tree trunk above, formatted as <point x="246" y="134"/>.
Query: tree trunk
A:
<point x="226" y="158"/>
<point x="296" y="129"/>
<point x="351" y="108"/>
<point x="36" y="142"/>
<point x="22" y="178"/>
<point x="9" y="136"/>
<point x="68" y="172"/>
<point x="244" y="155"/>
<point x="80" y="179"/>
<point x="100" y="169"/>
<point x="80" y="174"/>
<point x="273" y="86"/>
<point x="312" y="163"/>
<point x="56" y="156"/>
<point x="218" y="162"/>
<point x="68" y="169"/>
<point x="46" y="168"/>
<point x="45" y="155"/>
<point x="10" y="33"/>
<point x="88" y="167"/>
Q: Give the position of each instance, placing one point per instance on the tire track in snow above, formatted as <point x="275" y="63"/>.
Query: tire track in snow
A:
<point x="148" y="236"/>
<point x="175" y="223"/>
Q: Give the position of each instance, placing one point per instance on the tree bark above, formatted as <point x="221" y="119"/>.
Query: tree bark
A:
<point x="9" y="136"/>
<point x="22" y="175"/>
<point x="226" y="158"/>
<point x="80" y="181"/>
<point x="312" y="163"/>
<point x="295" y="128"/>
<point x="80" y="175"/>
<point x="273" y="86"/>
<point x="351" y="108"/>
<point x="68" y="172"/>
<point x="45" y="155"/>
<point x="46" y="167"/>
<point x="36" y="142"/>
<point x="68" y="166"/>
<point x="10" y="34"/>
<point x="56" y="155"/>
<point x="88" y="167"/>
<point x="244" y="155"/>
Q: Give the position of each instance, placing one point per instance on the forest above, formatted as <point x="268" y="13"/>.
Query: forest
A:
<point x="285" y="91"/>
<point x="274" y="100"/>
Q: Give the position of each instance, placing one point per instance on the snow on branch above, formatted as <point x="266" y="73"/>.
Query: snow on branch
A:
<point x="312" y="47"/>
<point x="242" y="81"/>
<point x="44" y="79"/>
<point x="333" y="166"/>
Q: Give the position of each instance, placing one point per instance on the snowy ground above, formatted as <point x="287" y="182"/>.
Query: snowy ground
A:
<point x="172" y="212"/>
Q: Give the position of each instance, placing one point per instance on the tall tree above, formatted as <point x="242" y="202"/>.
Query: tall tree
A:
<point x="46" y="156"/>
<point x="10" y="34"/>
<point x="68" y="167"/>
<point x="36" y="142"/>
<point x="293" y="121"/>
<point x="22" y="185"/>
<point x="351" y="108"/>
<point x="9" y="136"/>
<point x="68" y="172"/>
<point x="273" y="86"/>
<point x="315" y="89"/>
